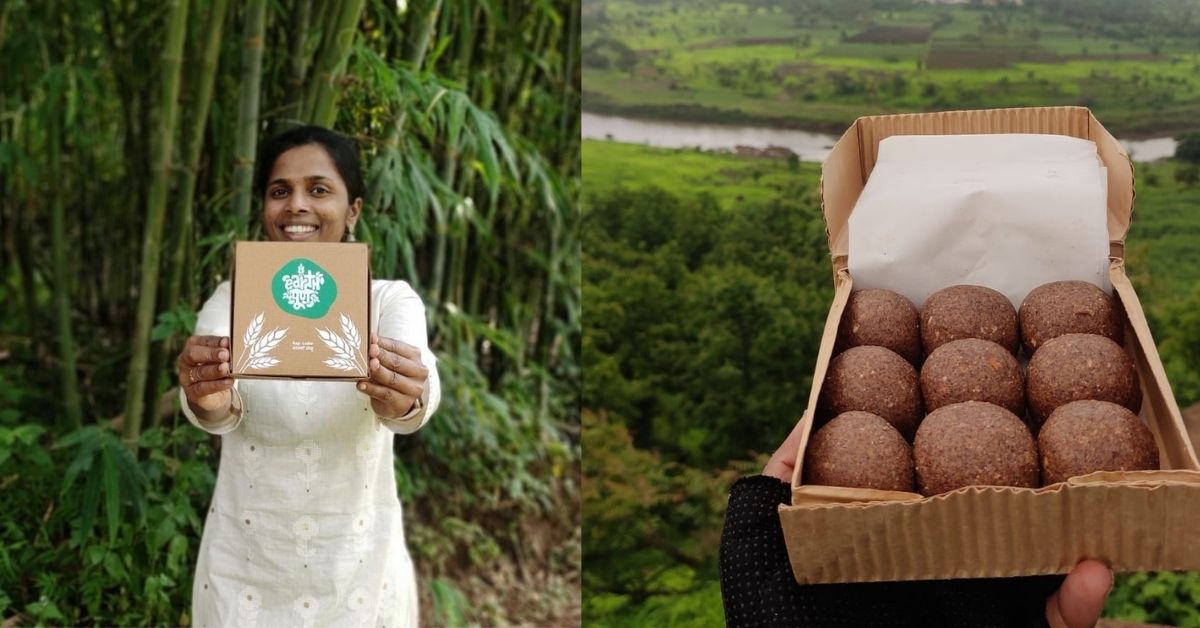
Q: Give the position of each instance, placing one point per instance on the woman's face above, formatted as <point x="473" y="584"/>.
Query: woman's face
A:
<point x="306" y="199"/>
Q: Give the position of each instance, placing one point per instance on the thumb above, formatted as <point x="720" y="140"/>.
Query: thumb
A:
<point x="1080" y="600"/>
<point x="784" y="459"/>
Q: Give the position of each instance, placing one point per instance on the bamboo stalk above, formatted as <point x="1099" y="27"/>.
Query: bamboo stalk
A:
<point x="249" y="94"/>
<point x="193" y="145"/>
<point x="570" y="90"/>
<point x="164" y="143"/>
<point x="4" y="22"/>
<point x="326" y="12"/>
<point x="62" y="283"/>
<point x="425" y="28"/>
<point x="297" y="63"/>
<point x="331" y="63"/>
<point x="441" y="230"/>
<point x="468" y="23"/>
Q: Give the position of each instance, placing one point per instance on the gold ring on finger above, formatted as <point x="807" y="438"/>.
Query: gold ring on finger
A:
<point x="192" y="375"/>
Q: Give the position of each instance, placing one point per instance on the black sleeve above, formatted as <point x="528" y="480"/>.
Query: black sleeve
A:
<point x="758" y="589"/>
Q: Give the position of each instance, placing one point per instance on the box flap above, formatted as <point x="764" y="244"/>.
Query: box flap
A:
<point x="845" y="171"/>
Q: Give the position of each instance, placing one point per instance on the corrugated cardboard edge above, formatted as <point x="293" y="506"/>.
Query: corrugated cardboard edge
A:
<point x="314" y="378"/>
<point x="853" y="535"/>
<point x="979" y="532"/>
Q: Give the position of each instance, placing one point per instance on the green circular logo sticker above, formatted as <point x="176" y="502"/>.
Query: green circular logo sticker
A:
<point x="303" y="288"/>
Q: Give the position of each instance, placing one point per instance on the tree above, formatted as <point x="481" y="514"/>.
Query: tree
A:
<point x="1187" y="175"/>
<point x="164" y="147"/>
<point x="249" y="95"/>
<point x="1187" y="148"/>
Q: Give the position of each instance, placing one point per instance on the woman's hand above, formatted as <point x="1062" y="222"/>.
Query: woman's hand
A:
<point x="397" y="377"/>
<point x="203" y="367"/>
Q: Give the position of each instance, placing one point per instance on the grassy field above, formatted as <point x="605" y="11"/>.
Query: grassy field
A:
<point x="819" y="69"/>
<point x="730" y="179"/>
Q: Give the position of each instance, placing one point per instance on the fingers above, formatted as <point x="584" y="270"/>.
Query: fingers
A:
<point x="1080" y="599"/>
<point x="397" y="365"/>
<point x="393" y="399"/>
<point x="783" y="461"/>
<point x="204" y="367"/>
<point x="219" y="370"/>
<point x="210" y="341"/>
<point x="398" y="382"/>
<point x="207" y="387"/>
<point x="395" y="346"/>
<point x="195" y="354"/>
<point x="397" y="375"/>
<point x="403" y="365"/>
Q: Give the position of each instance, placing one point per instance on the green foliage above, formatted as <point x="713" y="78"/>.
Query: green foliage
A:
<point x="747" y="62"/>
<point x="652" y="533"/>
<point x="74" y="567"/>
<point x="1180" y="346"/>
<point x="702" y="328"/>
<point x="729" y="179"/>
<point x="692" y="303"/>
<point x="175" y="323"/>
<point x="1156" y="598"/>
<point x="1187" y="148"/>
<point x="1187" y="175"/>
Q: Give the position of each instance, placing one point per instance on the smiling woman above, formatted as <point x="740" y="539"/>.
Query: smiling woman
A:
<point x="311" y="184"/>
<point x="290" y="537"/>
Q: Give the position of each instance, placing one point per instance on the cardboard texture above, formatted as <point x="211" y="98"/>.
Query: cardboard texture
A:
<point x="1133" y="520"/>
<point x="300" y="310"/>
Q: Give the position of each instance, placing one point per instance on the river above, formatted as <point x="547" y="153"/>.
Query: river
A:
<point x="809" y="146"/>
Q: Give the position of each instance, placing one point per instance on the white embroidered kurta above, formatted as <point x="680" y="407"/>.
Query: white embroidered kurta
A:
<point x="305" y="526"/>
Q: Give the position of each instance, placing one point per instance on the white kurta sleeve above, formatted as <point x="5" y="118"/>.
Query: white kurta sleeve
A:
<point x="213" y="320"/>
<point x="402" y="317"/>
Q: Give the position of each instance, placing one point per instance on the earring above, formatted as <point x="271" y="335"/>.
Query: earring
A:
<point x="350" y="234"/>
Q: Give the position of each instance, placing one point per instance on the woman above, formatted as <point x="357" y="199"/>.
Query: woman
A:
<point x="758" y="589"/>
<point x="305" y="528"/>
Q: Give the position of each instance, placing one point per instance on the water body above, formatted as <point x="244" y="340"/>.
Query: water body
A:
<point x="809" y="146"/>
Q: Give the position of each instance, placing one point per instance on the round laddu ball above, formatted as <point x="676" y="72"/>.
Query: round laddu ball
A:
<point x="1067" y="307"/>
<point x="970" y="444"/>
<point x="876" y="380"/>
<point x="1086" y="436"/>
<point x="881" y="318"/>
<point x="859" y="450"/>
<point x="961" y="312"/>
<point x="1080" y="366"/>
<point x="973" y="370"/>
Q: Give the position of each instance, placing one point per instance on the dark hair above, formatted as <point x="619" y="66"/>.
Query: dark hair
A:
<point x="341" y="149"/>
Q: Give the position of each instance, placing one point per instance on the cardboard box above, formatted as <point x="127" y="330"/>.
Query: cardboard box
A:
<point x="300" y="310"/>
<point x="1135" y="521"/>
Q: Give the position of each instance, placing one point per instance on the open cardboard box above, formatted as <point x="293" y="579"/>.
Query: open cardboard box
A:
<point x="1135" y="521"/>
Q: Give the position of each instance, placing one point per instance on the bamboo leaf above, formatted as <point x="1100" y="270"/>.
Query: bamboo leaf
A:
<point x="112" y="496"/>
<point x="438" y="51"/>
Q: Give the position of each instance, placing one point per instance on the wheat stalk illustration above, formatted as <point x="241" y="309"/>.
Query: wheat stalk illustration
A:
<point x="347" y="349"/>
<point x="260" y="345"/>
